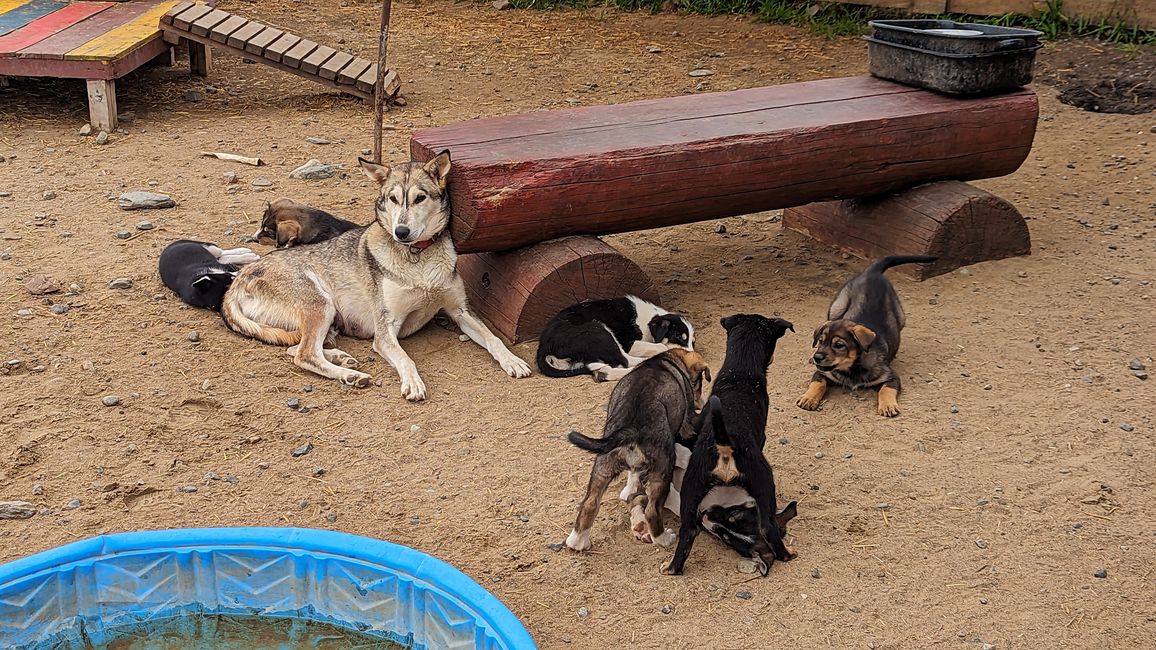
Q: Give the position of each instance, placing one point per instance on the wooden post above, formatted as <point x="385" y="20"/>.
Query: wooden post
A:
<point x="381" y="92"/>
<point x="102" y="104"/>
<point x="200" y="58"/>
<point x="954" y="221"/>
<point x="519" y="291"/>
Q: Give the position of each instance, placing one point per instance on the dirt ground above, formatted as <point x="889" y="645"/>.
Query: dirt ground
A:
<point x="1023" y="463"/>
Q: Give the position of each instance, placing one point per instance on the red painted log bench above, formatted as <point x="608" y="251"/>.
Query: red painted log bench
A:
<point x="521" y="180"/>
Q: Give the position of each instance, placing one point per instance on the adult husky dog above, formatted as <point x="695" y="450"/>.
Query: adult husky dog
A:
<point x="383" y="281"/>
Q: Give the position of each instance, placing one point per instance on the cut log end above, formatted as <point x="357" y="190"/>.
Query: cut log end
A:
<point x="519" y="291"/>
<point x="954" y="221"/>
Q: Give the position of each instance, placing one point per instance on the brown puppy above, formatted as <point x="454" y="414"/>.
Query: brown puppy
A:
<point x="649" y="409"/>
<point x="857" y="344"/>
<point x="289" y="223"/>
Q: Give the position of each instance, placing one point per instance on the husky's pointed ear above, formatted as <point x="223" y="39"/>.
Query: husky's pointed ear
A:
<point x="374" y="171"/>
<point x="439" y="168"/>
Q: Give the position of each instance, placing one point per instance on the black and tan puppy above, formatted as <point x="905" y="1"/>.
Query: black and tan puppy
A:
<point x="857" y="344"/>
<point x="728" y="451"/>
<point x="289" y="223"/>
<point x="649" y="410"/>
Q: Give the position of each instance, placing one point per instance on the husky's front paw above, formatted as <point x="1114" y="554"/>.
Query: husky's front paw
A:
<point x="412" y="387"/>
<point x="514" y="366"/>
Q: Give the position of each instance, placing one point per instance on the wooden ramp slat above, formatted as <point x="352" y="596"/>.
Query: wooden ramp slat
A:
<point x="352" y="71"/>
<point x="221" y="32"/>
<point x="61" y="43"/>
<point x="26" y="12"/>
<point x="205" y="23"/>
<point x="46" y="26"/>
<point x="186" y="18"/>
<point x="185" y="5"/>
<point x="125" y="38"/>
<point x="298" y="52"/>
<point x="262" y="40"/>
<point x="279" y="47"/>
<point x="333" y="66"/>
<point x="312" y="63"/>
<point x="240" y="38"/>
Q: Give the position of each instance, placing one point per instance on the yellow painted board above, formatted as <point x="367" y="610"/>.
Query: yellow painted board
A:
<point x="9" y="5"/>
<point x="124" y="39"/>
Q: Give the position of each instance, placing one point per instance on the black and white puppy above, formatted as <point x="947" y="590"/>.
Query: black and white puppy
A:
<point x="200" y="272"/>
<point x="728" y="451"/>
<point x="607" y="338"/>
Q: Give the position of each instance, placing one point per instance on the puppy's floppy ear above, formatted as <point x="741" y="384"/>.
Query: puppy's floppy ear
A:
<point x="863" y="336"/>
<point x="820" y="331"/>
<point x="287" y="233"/>
<point x="659" y="328"/>
<point x="786" y="514"/>
<point x="727" y="322"/>
<point x="439" y="168"/>
<point x="373" y="170"/>
<point x="203" y="282"/>
<point x="696" y="365"/>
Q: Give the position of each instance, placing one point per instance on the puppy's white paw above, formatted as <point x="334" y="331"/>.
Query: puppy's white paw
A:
<point x="578" y="542"/>
<point x="514" y="366"/>
<point x="412" y="387"/>
<point x="666" y="538"/>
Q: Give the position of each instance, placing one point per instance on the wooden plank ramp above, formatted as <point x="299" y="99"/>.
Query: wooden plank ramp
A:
<point x="276" y="48"/>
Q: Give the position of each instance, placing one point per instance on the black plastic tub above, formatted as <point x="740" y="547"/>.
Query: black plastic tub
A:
<point x="950" y="37"/>
<point x="967" y="59"/>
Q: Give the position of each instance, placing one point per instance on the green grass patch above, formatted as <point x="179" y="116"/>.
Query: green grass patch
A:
<point x="835" y="19"/>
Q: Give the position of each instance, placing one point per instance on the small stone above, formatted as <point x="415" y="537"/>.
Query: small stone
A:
<point x="6" y="254"/>
<point x="883" y="505"/>
<point x="413" y="428"/>
<point x="1022" y="274"/>
<point x="1127" y="428"/>
<point x="293" y="403"/>
<point x="39" y="285"/>
<point x="666" y="609"/>
<point x="746" y="565"/>
<point x="933" y="301"/>
<point x="1136" y="364"/>
<point x="982" y="601"/>
<point x="555" y="547"/>
<point x="743" y="595"/>
<point x="60" y="309"/>
<point x="315" y="140"/>
<point x="565" y="637"/>
<point x="86" y="130"/>
<point x="987" y="386"/>
<point x="721" y="229"/>
<point x="1140" y="374"/>
<point x="187" y="489"/>
<point x="981" y="543"/>
<point x="120" y="283"/>
<point x="1105" y="201"/>
<point x="314" y="170"/>
<point x="102" y="137"/>
<point x="784" y="440"/>
<point x="988" y="646"/>
<point x="16" y="510"/>
<point x="192" y="96"/>
<point x="37" y="490"/>
<point x="194" y="337"/>
<point x="24" y="313"/>
<point x="818" y="454"/>
<point x="1101" y="573"/>
<point x="318" y="471"/>
<point x="501" y="5"/>
<point x="263" y="465"/>
<point x="261" y="181"/>
<point x="308" y="388"/>
<point x="954" y="409"/>
<point x="701" y="72"/>
<point x="302" y="450"/>
<point x="229" y="178"/>
<point x="72" y="505"/>
<point x="654" y="49"/>
<point x="232" y="479"/>
<point x="210" y="90"/>
<point x="145" y="225"/>
<point x="123" y="234"/>
<point x="815" y="573"/>
<point x="583" y="612"/>
<point x="48" y="195"/>
<point x="110" y="400"/>
<point x="965" y="271"/>
<point x="331" y="517"/>
<point x="145" y="201"/>
<point x="463" y="338"/>
<point x="212" y="476"/>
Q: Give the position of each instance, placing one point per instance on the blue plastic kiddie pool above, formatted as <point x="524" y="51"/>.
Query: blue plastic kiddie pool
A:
<point x="99" y="591"/>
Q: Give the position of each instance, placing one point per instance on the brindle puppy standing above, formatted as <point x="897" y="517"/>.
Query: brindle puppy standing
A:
<point x="856" y="345"/>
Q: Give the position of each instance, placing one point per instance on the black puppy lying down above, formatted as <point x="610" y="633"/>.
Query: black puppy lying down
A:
<point x="650" y="409"/>
<point x="200" y="272"/>
<point x="728" y="453"/>
<point x="607" y="338"/>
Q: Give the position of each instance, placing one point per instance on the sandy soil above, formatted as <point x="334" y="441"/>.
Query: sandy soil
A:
<point x="1023" y="461"/>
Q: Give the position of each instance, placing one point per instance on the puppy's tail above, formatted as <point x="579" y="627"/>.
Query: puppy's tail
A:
<point x="592" y="445"/>
<point x="236" y="320"/>
<point x="882" y="264"/>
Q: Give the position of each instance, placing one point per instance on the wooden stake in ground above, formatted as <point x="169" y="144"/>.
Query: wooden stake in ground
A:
<point x="380" y="90"/>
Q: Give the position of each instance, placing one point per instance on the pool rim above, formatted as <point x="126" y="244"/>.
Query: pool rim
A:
<point x="403" y="559"/>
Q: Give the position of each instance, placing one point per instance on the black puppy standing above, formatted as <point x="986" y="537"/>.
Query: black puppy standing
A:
<point x="857" y="344"/>
<point x="728" y="452"/>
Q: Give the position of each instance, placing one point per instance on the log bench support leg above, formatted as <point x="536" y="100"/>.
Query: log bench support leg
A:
<point x="954" y="221"/>
<point x="519" y="291"/>
<point x="102" y="104"/>
<point x="200" y="58"/>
